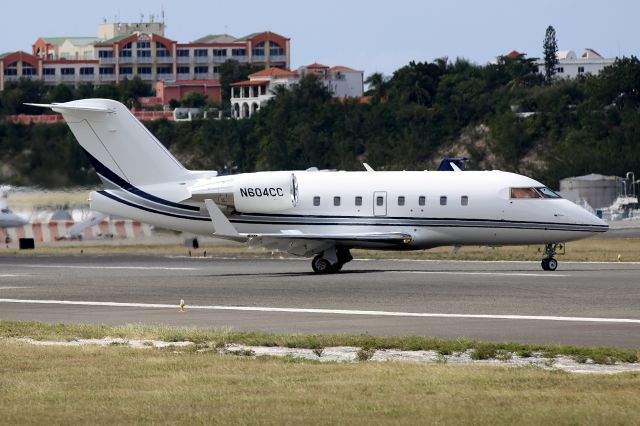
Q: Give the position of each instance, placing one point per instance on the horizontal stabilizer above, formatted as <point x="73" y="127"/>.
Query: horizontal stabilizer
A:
<point x="63" y="107"/>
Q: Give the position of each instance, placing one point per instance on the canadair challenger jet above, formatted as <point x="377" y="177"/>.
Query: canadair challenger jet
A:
<point x="319" y="214"/>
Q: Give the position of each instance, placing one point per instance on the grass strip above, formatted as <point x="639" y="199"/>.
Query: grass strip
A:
<point x="118" y="385"/>
<point x="481" y="350"/>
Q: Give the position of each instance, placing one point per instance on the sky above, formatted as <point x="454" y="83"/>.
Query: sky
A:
<point x="373" y="36"/>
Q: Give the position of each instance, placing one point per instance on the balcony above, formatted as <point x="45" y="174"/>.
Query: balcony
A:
<point x="165" y="77"/>
<point x="278" y="58"/>
<point x="146" y="77"/>
<point x="10" y="78"/>
<point x="127" y="59"/>
<point x="241" y="59"/>
<point x="108" y="61"/>
<point x="186" y="76"/>
<point x="184" y="59"/>
<point x="107" y="77"/>
<point x="219" y="59"/>
<point x="87" y="77"/>
<point x="144" y="59"/>
<point x="164" y="59"/>
<point x="201" y="76"/>
<point x="49" y="77"/>
<point x="202" y="60"/>
<point x="68" y="77"/>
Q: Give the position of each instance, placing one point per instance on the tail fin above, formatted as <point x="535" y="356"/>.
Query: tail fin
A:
<point x="120" y="148"/>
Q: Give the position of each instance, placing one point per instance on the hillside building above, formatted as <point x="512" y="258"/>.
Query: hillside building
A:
<point x="570" y="65"/>
<point x="249" y="96"/>
<point x="124" y="50"/>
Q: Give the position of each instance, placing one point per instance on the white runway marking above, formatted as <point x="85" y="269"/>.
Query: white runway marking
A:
<point x="10" y="275"/>
<point x="506" y="274"/>
<point x="325" y="311"/>
<point x="12" y="287"/>
<point x="162" y="268"/>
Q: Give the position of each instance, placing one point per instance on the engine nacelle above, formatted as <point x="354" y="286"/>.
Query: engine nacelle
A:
<point x="262" y="192"/>
<point x="265" y="192"/>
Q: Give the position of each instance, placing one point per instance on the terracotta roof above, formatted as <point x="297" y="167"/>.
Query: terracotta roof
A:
<point x="316" y="66"/>
<point x="514" y="54"/>
<point x="341" y="68"/>
<point x="316" y="73"/>
<point x="249" y="83"/>
<point x="273" y="72"/>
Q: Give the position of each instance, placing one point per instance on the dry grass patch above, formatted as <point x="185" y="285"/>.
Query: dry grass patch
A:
<point x="53" y="385"/>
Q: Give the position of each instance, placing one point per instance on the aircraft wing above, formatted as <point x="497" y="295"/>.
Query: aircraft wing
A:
<point x="303" y="244"/>
<point x="297" y="242"/>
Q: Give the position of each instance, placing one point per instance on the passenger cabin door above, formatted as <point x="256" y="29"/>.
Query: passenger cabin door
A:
<point x="379" y="203"/>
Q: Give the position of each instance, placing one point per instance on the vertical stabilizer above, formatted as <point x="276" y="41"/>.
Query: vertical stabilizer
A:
<point x="120" y="148"/>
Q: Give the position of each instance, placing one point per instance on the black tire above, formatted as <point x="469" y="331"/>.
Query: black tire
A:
<point x="320" y="265"/>
<point x="337" y="267"/>
<point x="545" y="264"/>
<point x="552" y="264"/>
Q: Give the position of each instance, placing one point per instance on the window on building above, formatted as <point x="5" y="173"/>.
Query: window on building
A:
<point x="164" y="70"/>
<point x="105" y="53"/>
<point x="201" y="70"/>
<point x="380" y="201"/>
<point x="201" y="52"/>
<point x="144" y="70"/>
<point x="67" y="71"/>
<point x="27" y="69"/>
<point x="216" y="70"/>
<point x="219" y="53"/>
<point x="401" y="200"/>
<point x="422" y="200"/>
<point x="258" y="50"/>
<point x="49" y="71"/>
<point x="443" y="200"/>
<point x="580" y="70"/>
<point x="12" y="69"/>
<point x="86" y="71"/>
<point x="105" y="70"/>
<point x="183" y="53"/>
<point x="464" y="200"/>
<point x="143" y="53"/>
<point x="143" y="44"/>
<point x="126" y="70"/>
<point x="238" y="52"/>
<point x="125" y="53"/>
<point x="162" y="53"/>
<point x="316" y="201"/>
<point x="183" y="70"/>
<point x="336" y="201"/>
<point x="560" y="70"/>
<point x="275" y="49"/>
<point x="358" y="200"/>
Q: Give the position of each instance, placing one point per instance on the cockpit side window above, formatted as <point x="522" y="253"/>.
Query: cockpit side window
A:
<point x="540" y="192"/>
<point x="547" y="193"/>
<point x="525" y="193"/>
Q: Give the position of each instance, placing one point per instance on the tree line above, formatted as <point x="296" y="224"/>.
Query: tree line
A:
<point x="504" y="115"/>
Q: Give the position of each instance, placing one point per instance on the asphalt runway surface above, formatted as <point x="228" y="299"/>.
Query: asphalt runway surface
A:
<point x="590" y="304"/>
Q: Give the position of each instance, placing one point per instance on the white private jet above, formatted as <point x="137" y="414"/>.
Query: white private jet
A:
<point x="317" y="213"/>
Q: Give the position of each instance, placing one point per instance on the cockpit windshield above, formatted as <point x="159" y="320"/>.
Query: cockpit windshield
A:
<point x="540" y="192"/>
<point x="6" y="211"/>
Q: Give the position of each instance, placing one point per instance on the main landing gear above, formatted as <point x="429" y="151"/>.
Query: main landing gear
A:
<point x="331" y="261"/>
<point x="549" y="263"/>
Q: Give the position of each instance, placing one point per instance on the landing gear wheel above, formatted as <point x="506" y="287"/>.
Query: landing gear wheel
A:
<point x="545" y="264"/>
<point x="552" y="264"/>
<point x="337" y="267"/>
<point x="320" y="265"/>
<point x="549" y="264"/>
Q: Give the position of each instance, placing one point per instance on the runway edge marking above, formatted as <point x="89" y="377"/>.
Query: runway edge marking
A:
<point x="326" y="311"/>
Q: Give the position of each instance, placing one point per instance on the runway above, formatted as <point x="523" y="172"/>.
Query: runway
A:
<point x="594" y="304"/>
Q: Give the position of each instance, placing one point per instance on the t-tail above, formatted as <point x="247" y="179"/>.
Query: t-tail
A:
<point x="122" y="150"/>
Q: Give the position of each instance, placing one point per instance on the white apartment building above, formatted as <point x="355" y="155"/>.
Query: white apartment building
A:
<point x="249" y="96"/>
<point x="570" y="65"/>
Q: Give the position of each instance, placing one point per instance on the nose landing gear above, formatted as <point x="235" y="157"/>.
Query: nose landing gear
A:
<point x="549" y="263"/>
